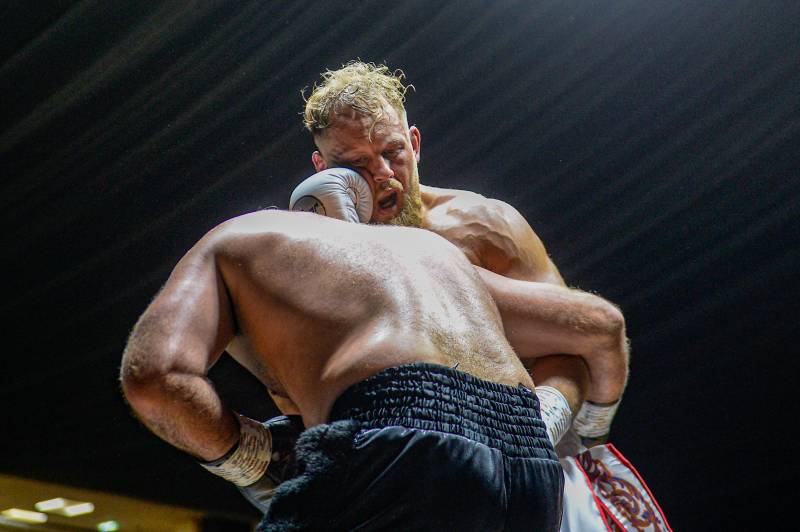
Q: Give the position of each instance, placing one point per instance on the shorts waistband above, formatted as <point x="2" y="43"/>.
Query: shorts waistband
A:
<point x="428" y="396"/>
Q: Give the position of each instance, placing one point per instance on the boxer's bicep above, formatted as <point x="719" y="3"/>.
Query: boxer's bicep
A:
<point x="187" y="326"/>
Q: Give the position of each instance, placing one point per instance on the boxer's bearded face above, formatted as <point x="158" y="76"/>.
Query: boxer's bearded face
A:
<point x="385" y="153"/>
<point x="411" y="213"/>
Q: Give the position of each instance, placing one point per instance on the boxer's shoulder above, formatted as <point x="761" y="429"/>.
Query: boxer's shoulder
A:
<point x="463" y="206"/>
<point x="492" y="233"/>
<point x="266" y="222"/>
<point x="276" y="227"/>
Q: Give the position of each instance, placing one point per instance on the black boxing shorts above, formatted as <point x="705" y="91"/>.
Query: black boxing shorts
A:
<point x="424" y="447"/>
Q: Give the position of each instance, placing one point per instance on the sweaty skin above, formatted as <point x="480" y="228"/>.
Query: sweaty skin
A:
<point x="491" y="233"/>
<point x="495" y="236"/>
<point x="310" y="306"/>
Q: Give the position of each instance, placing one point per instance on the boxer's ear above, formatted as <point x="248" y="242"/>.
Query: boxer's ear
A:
<point x="318" y="161"/>
<point x="416" y="140"/>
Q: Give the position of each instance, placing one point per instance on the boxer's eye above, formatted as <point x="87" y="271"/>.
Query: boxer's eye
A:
<point x="392" y="153"/>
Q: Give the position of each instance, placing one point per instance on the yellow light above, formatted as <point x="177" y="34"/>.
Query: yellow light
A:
<point x="51" y="504"/>
<point x="79" y="509"/>
<point x="67" y="507"/>
<point x="108" y="526"/>
<point x="25" y="516"/>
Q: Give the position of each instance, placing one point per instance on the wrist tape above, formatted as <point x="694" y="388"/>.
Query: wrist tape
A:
<point x="594" y="420"/>
<point x="556" y="413"/>
<point x="247" y="461"/>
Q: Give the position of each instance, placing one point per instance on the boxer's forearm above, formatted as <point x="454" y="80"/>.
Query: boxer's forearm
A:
<point x="185" y="411"/>
<point x="543" y="319"/>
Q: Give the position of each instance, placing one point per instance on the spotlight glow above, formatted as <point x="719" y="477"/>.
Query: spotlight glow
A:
<point x="25" y="516"/>
<point x="78" y="509"/>
<point x="51" y="504"/>
<point x="108" y="526"/>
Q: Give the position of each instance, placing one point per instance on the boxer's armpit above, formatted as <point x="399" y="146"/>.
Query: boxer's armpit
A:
<point x="284" y="404"/>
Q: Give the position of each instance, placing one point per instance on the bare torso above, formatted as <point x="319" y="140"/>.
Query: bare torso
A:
<point x="320" y="304"/>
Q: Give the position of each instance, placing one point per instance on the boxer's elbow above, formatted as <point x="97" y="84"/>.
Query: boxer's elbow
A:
<point x="145" y="370"/>
<point x="612" y="328"/>
<point x="609" y="370"/>
<point x="141" y="385"/>
<point x="599" y="322"/>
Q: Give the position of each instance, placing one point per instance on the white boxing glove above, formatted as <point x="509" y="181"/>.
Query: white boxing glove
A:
<point x="336" y="192"/>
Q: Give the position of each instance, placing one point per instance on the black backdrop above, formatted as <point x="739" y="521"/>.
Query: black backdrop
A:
<point x="652" y="145"/>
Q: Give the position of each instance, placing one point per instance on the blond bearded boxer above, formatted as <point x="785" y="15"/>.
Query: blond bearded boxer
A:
<point x="358" y="121"/>
<point x="357" y="118"/>
<point x="389" y="345"/>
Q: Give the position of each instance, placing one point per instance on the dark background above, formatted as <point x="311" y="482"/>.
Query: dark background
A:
<point x="653" y="145"/>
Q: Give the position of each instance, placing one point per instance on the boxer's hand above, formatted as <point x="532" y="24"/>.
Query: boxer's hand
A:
<point x="262" y="459"/>
<point x="284" y="430"/>
<point x="336" y="192"/>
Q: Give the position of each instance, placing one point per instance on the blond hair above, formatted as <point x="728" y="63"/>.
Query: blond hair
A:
<point x="363" y="87"/>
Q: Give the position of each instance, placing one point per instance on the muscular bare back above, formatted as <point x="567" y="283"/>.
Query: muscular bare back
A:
<point x="318" y="305"/>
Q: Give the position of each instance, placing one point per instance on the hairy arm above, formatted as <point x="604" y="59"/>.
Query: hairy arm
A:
<point x="541" y="319"/>
<point x="599" y="374"/>
<point x="175" y="342"/>
<point x="495" y="236"/>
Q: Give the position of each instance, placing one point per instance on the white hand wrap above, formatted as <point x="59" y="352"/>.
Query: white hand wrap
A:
<point x="594" y="421"/>
<point x="556" y="413"/>
<point x="339" y="193"/>
<point x="248" y="461"/>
